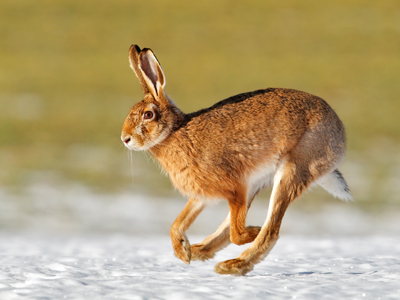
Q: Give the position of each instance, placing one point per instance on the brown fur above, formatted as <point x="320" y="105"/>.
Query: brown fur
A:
<point x="215" y="153"/>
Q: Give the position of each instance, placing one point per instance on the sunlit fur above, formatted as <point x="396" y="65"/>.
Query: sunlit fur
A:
<point x="280" y="137"/>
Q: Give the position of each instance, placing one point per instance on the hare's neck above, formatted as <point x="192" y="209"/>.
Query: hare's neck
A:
<point x="171" y="154"/>
<point x="179" y="160"/>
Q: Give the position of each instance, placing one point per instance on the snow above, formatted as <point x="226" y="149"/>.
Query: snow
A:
<point x="132" y="267"/>
<point x="70" y="243"/>
<point x="53" y="209"/>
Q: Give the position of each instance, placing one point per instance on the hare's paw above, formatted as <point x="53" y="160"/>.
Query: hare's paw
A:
<point x="199" y="253"/>
<point x="237" y="267"/>
<point x="247" y="236"/>
<point x="182" y="249"/>
<point x="252" y="232"/>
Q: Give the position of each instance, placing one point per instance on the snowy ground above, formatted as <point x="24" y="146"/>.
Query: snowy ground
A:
<point x="127" y="267"/>
<point x="69" y="243"/>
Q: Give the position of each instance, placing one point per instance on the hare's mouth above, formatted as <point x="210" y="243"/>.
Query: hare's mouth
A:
<point x="131" y="145"/>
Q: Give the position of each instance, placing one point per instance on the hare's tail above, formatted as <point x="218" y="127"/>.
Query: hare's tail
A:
<point x="335" y="184"/>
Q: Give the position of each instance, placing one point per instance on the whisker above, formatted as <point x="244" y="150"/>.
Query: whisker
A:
<point x="131" y="159"/>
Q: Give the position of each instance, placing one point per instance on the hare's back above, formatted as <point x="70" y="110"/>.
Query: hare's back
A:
<point x="273" y="120"/>
<point x="273" y="108"/>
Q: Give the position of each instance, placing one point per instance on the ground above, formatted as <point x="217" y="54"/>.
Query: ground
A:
<point x="143" y="267"/>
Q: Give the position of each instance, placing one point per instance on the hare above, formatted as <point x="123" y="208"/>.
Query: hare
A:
<point x="275" y="137"/>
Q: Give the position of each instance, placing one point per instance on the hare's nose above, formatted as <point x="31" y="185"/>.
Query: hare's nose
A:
<point x="125" y="137"/>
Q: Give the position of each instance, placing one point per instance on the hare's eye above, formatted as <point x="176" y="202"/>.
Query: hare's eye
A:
<point x="148" y="115"/>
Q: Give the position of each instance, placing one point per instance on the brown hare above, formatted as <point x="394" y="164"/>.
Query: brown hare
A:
<point x="275" y="137"/>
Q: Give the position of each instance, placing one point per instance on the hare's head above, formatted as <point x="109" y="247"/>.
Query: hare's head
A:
<point x="152" y="120"/>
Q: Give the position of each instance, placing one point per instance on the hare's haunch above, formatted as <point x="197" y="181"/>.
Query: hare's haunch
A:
<point x="280" y="137"/>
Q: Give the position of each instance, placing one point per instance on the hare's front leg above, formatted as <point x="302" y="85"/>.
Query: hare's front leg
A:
<point x="217" y="241"/>
<point x="238" y="206"/>
<point x="180" y="242"/>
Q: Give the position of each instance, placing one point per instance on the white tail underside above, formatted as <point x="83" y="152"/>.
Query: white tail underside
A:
<point x="335" y="184"/>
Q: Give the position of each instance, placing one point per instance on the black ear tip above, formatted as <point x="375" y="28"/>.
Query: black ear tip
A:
<point x="147" y="50"/>
<point x="136" y="48"/>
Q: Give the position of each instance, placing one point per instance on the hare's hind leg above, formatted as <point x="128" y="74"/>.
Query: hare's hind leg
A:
<point x="182" y="223"/>
<point x="289" y="183"/>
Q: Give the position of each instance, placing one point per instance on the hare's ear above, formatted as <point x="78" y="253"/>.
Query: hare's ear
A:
<point x="152" y="73"/>
<point x="134" y="52"/>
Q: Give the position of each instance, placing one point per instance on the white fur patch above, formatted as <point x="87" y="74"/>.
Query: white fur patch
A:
<point x="277" y="180"/>
<point x="158" y="140"/>
<point x="259" y="179"/>
<point x="333" y="184"/>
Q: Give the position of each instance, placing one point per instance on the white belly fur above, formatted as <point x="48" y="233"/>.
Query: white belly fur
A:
<point x="260" y="179"/>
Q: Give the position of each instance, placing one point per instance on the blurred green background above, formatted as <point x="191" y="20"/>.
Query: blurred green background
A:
<point x="66" y="87"/>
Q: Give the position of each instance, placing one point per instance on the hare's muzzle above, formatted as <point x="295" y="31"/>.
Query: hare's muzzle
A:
<point x="126" y="139"/>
